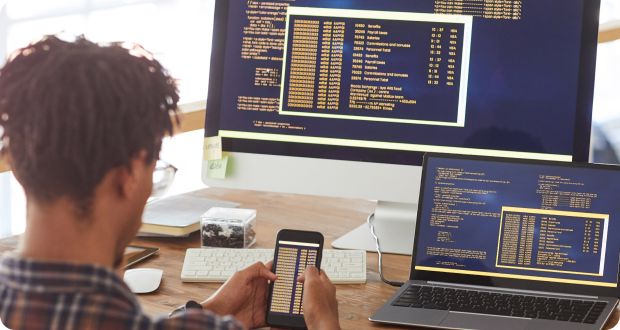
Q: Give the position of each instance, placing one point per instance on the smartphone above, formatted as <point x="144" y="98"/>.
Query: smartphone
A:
<point x="135" y="254"/>
<point x="295" y="251"/>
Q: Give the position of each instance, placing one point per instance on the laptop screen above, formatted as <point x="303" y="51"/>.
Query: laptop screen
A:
<point x="520" y="220"/>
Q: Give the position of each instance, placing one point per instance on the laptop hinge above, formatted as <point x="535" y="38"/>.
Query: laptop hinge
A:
<point x="521" y="291"/>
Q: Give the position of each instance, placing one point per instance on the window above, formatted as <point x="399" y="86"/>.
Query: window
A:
<point x="610" y="11"/>
<point x="178" y="32"/>
<point x="606" y="116"/>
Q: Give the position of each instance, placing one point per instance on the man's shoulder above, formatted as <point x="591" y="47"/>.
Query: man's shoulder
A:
<point x="81" y="296"/>
<point x="45" y="276"/>
<point x="42" y="291"/>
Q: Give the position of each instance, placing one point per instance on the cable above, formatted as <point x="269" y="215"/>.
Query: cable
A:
<point x="369" y="220"/>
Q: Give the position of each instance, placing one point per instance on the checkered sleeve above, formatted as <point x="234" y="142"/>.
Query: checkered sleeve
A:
<point x="197" y="319"/>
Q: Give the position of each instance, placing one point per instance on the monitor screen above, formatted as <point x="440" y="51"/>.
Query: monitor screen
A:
<point x="518" y="220"/>
<point x="385" y="81"/>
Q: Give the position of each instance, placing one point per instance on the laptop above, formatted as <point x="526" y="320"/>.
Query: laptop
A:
<point x="511" y="244"/>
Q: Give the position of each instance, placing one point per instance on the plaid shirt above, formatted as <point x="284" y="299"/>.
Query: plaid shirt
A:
<point x="53" y="295"/>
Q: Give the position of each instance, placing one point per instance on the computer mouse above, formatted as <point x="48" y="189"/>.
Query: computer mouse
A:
<point x="143" y="280"/>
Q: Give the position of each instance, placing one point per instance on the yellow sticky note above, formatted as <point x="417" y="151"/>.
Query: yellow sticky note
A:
<point x="213" y="148"/>
<point x="217" y="168"/>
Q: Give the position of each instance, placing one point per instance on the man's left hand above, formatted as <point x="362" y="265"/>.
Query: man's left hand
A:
<point x="244" y="295"/>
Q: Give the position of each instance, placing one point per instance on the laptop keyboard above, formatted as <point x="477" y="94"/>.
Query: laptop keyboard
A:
<point x="471" y="301"/>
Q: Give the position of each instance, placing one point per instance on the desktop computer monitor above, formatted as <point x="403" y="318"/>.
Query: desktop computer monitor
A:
<point x="343" y="97"/>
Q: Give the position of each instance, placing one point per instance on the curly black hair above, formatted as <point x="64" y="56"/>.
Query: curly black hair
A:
<point x="72" y="111"/>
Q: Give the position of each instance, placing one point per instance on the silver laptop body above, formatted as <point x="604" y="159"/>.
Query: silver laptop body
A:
<point x="394" y="313"/>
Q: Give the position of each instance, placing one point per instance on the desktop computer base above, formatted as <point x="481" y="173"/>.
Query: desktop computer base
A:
<point x="394" y="225"/>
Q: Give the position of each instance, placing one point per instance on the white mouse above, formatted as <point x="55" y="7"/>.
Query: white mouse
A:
<point x="143" y="280"/>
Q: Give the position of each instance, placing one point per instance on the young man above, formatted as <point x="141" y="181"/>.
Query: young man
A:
<point x="82" y="127"/>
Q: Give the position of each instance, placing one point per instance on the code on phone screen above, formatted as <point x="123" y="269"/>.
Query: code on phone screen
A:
<point x="291" y="261"/>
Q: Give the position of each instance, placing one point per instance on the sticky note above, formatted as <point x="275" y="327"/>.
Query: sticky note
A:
<point x="213" y="148"/>
<point x="217" y="168"/>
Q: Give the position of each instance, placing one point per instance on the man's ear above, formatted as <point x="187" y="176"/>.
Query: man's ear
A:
<point x="128" y="177"/>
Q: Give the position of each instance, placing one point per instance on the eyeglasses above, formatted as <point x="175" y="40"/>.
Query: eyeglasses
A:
<point x="163" y="176"/>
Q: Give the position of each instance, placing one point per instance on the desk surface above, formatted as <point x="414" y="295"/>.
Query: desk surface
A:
<point x="332" y="216"/>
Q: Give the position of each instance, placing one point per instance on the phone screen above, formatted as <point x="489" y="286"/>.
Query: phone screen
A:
<point x="291" y="260"/>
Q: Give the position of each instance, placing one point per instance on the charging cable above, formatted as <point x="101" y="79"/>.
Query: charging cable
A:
<point x="370" y="221"/>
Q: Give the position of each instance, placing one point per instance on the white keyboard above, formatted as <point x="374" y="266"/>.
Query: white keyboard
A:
<point x="217" y="265"/>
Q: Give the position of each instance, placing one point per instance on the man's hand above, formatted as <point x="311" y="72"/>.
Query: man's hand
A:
<point x="319" y="301"/>
<point x="244" y="295"/>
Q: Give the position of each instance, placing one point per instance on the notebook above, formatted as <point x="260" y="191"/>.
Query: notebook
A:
<point x="177" y="215"/>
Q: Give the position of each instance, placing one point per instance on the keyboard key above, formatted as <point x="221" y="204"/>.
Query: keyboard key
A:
<point x="576" y="318"/>
<point x="193" y="252"/>
<point x="590" y="320"/>
<point x="547" y="316"/>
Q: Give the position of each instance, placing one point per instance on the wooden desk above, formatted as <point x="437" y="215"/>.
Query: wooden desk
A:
<point x="332" y="216"/>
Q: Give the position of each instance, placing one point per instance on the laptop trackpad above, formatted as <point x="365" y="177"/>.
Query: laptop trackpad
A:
<point x="478" y="321"/>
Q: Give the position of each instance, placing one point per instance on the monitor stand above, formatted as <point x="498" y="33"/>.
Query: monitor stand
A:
<point x="394" y="224"/>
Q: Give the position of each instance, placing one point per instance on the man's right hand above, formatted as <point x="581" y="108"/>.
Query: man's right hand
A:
<point x="319" y="300"/>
